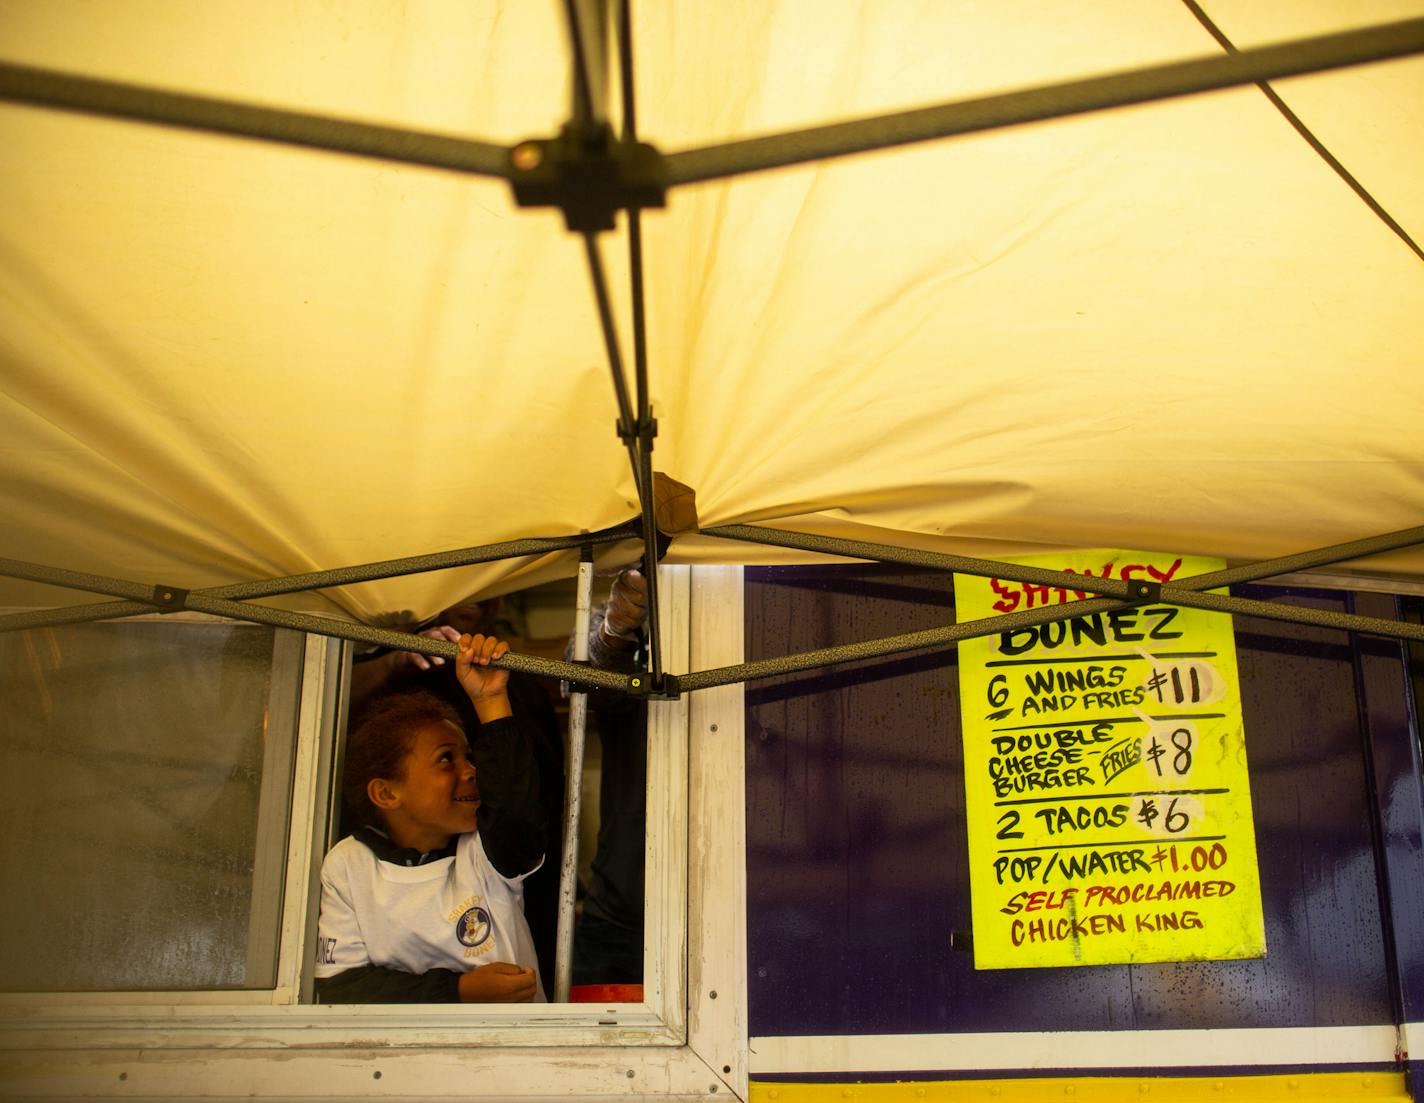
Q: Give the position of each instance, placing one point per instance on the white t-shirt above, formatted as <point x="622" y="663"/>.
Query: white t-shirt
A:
<point x="454" y="913"/>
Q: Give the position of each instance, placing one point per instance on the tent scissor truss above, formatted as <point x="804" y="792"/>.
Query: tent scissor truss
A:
<point x="591" y="175"/>
<point x="232" y="601"/>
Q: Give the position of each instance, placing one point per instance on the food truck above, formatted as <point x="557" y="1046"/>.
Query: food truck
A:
<point x="1014" y="411"/>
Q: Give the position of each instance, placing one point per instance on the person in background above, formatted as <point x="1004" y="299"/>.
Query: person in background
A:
<point x="423" y="903"/>
<point x="383" y="673"/>
<point x="608" y="943"/>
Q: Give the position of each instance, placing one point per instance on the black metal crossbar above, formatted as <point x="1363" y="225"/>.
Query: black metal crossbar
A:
<point x="115" y="99"/>
<point x="203" y="602"/>
<point x="1008" y="622"/>
<point x="63" y="91"/>
<point x="139" y="598"/>
<point x="1018" y="572"/>
<point x="1186" y="592"/>
<point x="1253" y="66"/>
<point x="646" y="427"/>
<point x="630" y="176"/>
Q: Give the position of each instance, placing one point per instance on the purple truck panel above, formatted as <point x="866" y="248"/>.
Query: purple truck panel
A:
<point x="856" y="858"/>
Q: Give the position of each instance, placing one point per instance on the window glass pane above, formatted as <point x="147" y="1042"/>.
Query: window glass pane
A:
<point x="145" y="794"/>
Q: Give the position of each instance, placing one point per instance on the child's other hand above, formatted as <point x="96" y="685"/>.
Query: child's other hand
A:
<point x="497" y="982"/>
<point x="483" y="684"/>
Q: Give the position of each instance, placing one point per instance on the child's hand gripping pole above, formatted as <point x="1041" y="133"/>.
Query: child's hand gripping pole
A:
<point x="485" y="685"/>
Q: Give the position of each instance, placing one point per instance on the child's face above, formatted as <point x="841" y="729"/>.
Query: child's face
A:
<point x="436" y="796"/>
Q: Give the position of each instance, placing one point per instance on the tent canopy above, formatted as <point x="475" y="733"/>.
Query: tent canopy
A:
<point x="1171" y="326"/>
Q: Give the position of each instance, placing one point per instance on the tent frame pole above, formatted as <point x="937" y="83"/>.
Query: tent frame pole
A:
<point x="587" y="21"/>
<point x="601" y="299"/>
<point x="320" y="580"/>
<point x="200" y="601"/>
<point x="1127" y="594"/>
<point x="1017" y="572"/>
<point x="646" y="174"/>
<point x="993" y="626"/>
<point x="138" y="103"/>
<point x="636" y="430"/>
<point x="219" y="600"/>
<point x="589" y="26"/>
<point x="573" y="790"/>
<point x="1120" y="595"/>
<point x="1186" y="592"/>
<point x="646" y="427"/>
<point x="1145" y="85"/>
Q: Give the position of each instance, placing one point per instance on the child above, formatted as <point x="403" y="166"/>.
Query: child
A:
<point x="423" y="903"/>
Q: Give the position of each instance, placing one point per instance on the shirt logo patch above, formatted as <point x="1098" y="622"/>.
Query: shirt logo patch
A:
<point x="473" y="927"/>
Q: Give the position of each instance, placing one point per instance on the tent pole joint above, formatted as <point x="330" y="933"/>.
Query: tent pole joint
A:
<point x="661" y="687"/>
<point x="648" y="686"/>
<point x="1139" y="589"/>
<point x="589" y="175"/>
<point x="644" y="431"/>
<point x="170" y="599"/>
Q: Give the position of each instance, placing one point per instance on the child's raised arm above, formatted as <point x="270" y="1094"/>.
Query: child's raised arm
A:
<point x="511" y="817"/>
<point x="485" y="685"/>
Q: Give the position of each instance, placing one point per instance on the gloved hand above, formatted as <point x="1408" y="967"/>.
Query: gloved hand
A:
<point x="627" y="608"/>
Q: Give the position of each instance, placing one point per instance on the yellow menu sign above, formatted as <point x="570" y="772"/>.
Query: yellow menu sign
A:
<point x="1108" y="800"/>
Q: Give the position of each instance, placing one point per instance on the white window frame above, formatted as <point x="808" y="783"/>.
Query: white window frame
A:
<point x="688" y="1037"/>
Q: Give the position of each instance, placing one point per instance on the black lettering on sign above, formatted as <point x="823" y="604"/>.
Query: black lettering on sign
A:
<point x="1010" y="820"/>
<point x="1064" y="930"/>
<point x="1168" y="921"/>
<point x="1063" y="819"/>
<point x="1121" y="626"/>
<point x="1162" y="616"/>
<point x="1119" y="757"/>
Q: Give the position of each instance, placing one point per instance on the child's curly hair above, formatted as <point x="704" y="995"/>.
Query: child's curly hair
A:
<point x="379" y="744"/>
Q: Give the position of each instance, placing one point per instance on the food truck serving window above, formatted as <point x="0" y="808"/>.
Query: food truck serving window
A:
<point x="171" y="789"/>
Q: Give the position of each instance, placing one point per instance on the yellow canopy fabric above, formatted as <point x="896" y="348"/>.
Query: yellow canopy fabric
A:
<point x="1166" y="327"/>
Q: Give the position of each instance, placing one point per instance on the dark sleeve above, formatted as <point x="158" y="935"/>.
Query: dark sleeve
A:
<point x="376" y="984"/>
<point x="511" y="819"/>
<point x="534" y="706"/>
<point x="605" y="657"/>
<point x="615" y="891"/>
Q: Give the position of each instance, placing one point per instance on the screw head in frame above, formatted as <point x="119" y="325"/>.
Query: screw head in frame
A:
<point x="527" y="156"/>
